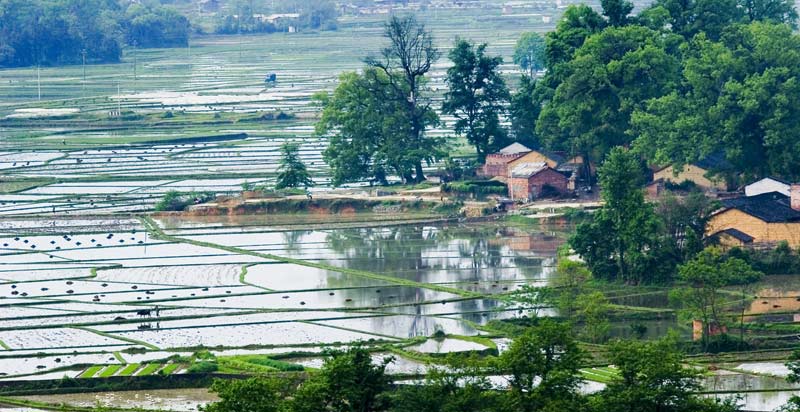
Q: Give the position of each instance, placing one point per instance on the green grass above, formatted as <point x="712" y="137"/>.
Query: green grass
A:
<point x="149" y="369"/>
<point x="600" y="374"/>
<point x="110" y="370"/>
<point x="90" y="372"/>
<point x="128" y="370"/>
<point x="13" y="186"/>
<point x="169" y="369"/>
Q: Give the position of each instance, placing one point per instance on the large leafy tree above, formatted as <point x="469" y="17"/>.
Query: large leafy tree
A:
<point x="616" y="11"/>
<point x="653" y="377"/>
<point x="612" y="74"/>
<point x="476" y="97"/>
<point x="704" y="276"/>
<point x="348" y="382"/>
<point x="291" y="171"/>
<point x="252" y="395"/>
<point x="543" y="365"/>
<point x="523" y="111"/>
<point x="368" y="131"/>
<point x="529" y="52"/>
<point x="740" y="95"/>
<point x="402" y="67"/>
<point x="624" y="241"/>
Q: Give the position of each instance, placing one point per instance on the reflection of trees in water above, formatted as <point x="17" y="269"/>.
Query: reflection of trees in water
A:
<point x="293" y="240"/>
<point x="416" y="252"/>
<point x="384" y="250"/>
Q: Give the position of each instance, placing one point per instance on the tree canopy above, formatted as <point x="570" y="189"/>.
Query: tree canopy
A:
<point x="475" y="97"/>
<point x="376" y="120"/>
<point x="292" y="171"/>
<point x="43" y="32"/>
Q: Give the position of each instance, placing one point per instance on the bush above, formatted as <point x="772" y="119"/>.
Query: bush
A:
<point x="203" y="367"/>
<point x="781" y="260"/>
<point x="476" y="187"/>
<point x="174" y="201"/>
<point x="279" y="365"/>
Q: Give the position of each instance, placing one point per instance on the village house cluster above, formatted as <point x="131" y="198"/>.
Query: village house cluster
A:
<point x="761" y="214"/>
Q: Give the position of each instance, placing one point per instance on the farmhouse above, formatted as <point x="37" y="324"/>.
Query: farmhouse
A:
<point x="529" y="181"/>
<point x="766" y="185"/>
<point x="536" y="156"/>
<point x="701" y="173"/>
<point x="760" y="220"/>
<point x="497" y="163"/>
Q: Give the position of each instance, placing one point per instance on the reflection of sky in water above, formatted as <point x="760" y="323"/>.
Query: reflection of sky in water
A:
<point x="753" y="401"/>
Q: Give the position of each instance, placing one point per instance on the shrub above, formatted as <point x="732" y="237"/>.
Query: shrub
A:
<point x="476" y="187"/>
<point x="279" y="365"/>
<point x="203" y="367"/>
<point x="174" y="201"/>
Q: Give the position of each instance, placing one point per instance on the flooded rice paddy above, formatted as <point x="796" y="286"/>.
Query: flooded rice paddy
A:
<point x="97" y="301"/>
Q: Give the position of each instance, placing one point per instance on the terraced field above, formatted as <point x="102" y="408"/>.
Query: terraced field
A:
<point x="126" y="300"/>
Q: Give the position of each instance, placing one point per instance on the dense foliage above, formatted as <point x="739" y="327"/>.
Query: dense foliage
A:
<point x="174" y="201"/>
<point x="625" y="240"/>
<point x="54" y="32"/>
<point x="542" y="368"/>
<point x="292" y="172"/>
<point x="476" y="96"/>
<point x="679" y="81"/>
<point x="244" y="17"/>
<point x="376" y="121"/>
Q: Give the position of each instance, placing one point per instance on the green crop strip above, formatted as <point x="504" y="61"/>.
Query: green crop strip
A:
<point x="149" y="369"/>
<point x="4" y="346"/>
<point x="90" y="372"/>
<point x="110" y="370"/>
<point x="169" y="369"/>
<point x="128" y="370"/>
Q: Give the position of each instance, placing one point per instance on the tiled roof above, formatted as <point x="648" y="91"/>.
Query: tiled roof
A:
<point x="528" y="169"/>
<point x="772" y="207"/>
<point x="738" y="234"/>
<point x="514" y="148"/>
<point x="714" y="161"/>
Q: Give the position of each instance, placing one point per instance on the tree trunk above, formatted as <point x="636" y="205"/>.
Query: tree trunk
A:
<point x="419" y="172"/>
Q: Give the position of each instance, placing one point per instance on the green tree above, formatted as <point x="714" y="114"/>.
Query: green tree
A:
<point x="401" y="68"/>
<point x="251" y="395"/>
<point x="570" y="282"/>
<point x="524" y="110"/>
<point x="460" y="388"/>
<point x="616" y="11"/>
<point x="543" y="365"/>
<point x="291" y="171"/>
<point x="685" y="220"/>
<point x="740" y="96"/>
<point x="704" y="276"/>
<point x="652" y="377"/>
<point x="690" y="17"/>
<point x="368" y="130"/>
<point x="624" y="241"/>
<point x="347" y="382"/>
<point x="612" y="74"/>
<point x="592" y="310"/>
<point x="577" y="23"/>
<point x="529" y="53"/>
<point x="476" y="97"/>
<point x="775" y="11"/>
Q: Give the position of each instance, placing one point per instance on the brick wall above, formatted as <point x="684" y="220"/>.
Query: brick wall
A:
<point x="531" y="188"/>
<point x="497" y="164"/>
